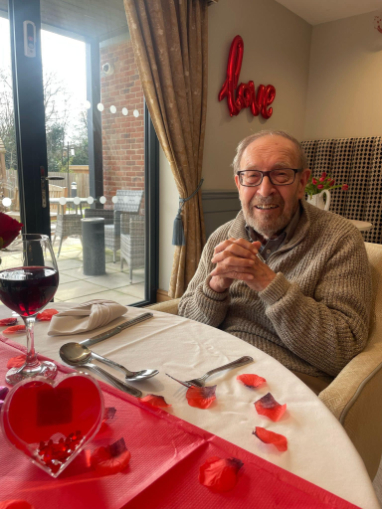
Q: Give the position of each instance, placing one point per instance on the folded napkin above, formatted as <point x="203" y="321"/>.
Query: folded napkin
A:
<point x="85" y="317"/>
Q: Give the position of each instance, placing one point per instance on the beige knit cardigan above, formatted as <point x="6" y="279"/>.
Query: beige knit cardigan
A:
<point x="314" y="316"/>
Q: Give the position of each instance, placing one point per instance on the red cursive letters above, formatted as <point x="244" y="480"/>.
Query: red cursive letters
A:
<point x="245" y="92"/>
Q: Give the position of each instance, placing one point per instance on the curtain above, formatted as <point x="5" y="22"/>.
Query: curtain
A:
<point x="169" y="38"/>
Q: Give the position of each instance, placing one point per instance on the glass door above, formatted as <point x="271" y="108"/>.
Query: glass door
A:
<point x="99" y="163"/>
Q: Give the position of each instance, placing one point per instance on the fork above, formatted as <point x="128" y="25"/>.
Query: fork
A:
<point x="200" y="382"/>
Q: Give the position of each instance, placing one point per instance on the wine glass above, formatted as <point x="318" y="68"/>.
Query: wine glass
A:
<point x="28" y="281"/>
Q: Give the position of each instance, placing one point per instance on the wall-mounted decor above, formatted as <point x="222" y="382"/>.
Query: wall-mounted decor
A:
<point x="244" y="95"/>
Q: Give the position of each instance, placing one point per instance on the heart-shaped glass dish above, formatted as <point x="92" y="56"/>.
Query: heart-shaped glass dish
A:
<point x="51" y="422"/>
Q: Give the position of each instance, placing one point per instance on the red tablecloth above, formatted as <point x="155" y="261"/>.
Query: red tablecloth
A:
<point x="166" y="454"/>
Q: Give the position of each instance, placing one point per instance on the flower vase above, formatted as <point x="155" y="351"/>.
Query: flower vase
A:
<point x="318" y="200"/>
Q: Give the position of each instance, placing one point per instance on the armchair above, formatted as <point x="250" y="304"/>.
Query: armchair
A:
<point x="132" y="242"/>
<point x="353" y="396"/>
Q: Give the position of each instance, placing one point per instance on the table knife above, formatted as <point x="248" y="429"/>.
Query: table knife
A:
<point x="115" y="330"/>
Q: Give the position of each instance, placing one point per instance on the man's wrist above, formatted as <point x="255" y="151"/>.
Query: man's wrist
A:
<point x="213" y="283"/>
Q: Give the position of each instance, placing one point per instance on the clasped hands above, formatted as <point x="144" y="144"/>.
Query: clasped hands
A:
<point x="236" y="260"/>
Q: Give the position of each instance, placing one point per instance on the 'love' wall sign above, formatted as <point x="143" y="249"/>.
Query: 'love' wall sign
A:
<point x="244" y="95"/>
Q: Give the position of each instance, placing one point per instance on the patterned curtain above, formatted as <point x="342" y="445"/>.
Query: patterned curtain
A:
<point x="358" y="163"/>
<point x="169" y="38"/>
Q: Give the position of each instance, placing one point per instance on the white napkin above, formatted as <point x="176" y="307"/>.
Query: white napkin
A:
<point x="85" y="317"/>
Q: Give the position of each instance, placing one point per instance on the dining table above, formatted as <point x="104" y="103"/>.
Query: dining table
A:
<point x="319" y="450"/>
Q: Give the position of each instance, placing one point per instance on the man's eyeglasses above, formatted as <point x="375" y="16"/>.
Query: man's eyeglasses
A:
<point x="281" y="177"/>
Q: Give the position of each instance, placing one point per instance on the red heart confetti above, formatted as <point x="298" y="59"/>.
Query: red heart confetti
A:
<point x="251" y="381"/>
<point x="46" y="315"/>
<point x="15" y="329"/>
<point x="155" y="401"/>
<point x="201" y="397"/>
<point x="111" y="459"/>
<point x="220" y="474"/>
<point x="16" y="362"/>
<point x="55" y="454"/>
<point x="269" y="437"/>
<point x="268" y="406"/>
<point x="8" y="321"/>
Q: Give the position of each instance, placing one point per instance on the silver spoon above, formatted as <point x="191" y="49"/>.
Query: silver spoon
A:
<point x="79" y="355"/>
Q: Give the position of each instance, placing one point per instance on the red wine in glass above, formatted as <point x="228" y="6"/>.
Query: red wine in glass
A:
<point x="27" y="290"/>
<point x="28" y="281"/>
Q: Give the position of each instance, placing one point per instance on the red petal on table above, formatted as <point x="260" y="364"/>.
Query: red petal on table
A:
<point x="14" y="330"/>
<point x="201" y="397"/>
<point x="252" y="381"/>
<point x="156" y="401"/>
<point x="220" y="474"/>
<point x="269" y="437"/>
<point x="8" y="321"/>
<point x="111" y="459"/>
<point x="46" y="315"/>
<point x="16" y="362"/>
<point x="109" y="413"/>
<point x="15" y="504"/>
<point x="268" y="406"/>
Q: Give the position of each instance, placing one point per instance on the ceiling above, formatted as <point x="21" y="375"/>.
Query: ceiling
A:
<point x="322" y="11"/>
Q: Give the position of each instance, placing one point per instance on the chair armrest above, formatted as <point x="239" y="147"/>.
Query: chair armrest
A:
<point x="353" y="397"/>
<point x="169" y="306"/>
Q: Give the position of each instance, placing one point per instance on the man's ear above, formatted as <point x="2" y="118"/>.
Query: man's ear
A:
<point x="304" y="177"/>
<point x="237" y="182"/>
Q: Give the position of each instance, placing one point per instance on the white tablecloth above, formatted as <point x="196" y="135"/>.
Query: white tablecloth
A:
<point x="318" y="448"/>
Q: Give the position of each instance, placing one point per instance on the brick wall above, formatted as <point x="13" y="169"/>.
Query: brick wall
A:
<point x="122" y="136"/>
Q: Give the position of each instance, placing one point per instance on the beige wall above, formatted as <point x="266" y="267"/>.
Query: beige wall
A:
<point x="345" y="77"/>
<point x="276" y="51"/>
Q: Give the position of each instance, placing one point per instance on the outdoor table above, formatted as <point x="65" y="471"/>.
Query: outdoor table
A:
<point x="319" y="449"/>
<point x="93" y="242"/>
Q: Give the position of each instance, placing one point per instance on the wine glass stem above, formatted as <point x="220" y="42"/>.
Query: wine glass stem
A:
<point x="31" y="360"/>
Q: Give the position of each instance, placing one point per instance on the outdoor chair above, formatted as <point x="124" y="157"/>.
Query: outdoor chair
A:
<point x="129" y="202"/>
<point x="67" y="225"/>
<point x="353" y="396"/>
<point x="132" y="242"/>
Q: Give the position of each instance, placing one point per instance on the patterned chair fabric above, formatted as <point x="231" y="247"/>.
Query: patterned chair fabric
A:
<point x="356" y="162"/>
<point x="66" y="226"/>
<point x="132" y="242"/>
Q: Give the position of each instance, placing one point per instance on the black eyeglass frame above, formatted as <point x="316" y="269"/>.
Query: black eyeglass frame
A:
<point x="268" y="174"/>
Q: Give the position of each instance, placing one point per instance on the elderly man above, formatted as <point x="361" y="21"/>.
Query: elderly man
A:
<point x="284" y="276"/>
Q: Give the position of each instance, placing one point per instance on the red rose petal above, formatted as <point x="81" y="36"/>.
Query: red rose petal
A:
<point x="8" y="321"/>
<point x="111" y="459"/>
<point x="269" y="437"/>
<point x="109" y="413"/>
<point x="46" y="315"/>
<point x="252" y="381"/>
<point x="156" y="401"/>
<point x="15" y="329"/>
<point x="220" y="474"/>
<point x="268" y="406"/>
<point x="201" y="397"/>
<point x="16" y="362"/>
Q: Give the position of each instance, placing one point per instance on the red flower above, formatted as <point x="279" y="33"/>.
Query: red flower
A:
<point x="268" y="406"/>
<point x="252" y="381"/>
<point x="220" y="474"/>
<point x="320" y="186"/>
<point x="322" y="179"/>
<point x="269" y="437"/>
<point x="201" y="397"/>
<point x="314" y="181"/>
<point x="345" y="187"/>
<point x="332" y="182"/>
<point x="156" y="401"/>
<point x="323" y="175"/>
<point x="9" y="229"/>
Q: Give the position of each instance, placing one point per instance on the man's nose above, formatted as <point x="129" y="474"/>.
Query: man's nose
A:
<point x="266" y="188"/>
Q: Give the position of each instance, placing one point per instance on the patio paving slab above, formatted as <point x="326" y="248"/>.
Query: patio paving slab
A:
<point x="138" y="290"/>
<point x="111" y="280"/>
<point x="75" y="289"/>
<point x="119" y="297"/>
<point x="68" y="264"/>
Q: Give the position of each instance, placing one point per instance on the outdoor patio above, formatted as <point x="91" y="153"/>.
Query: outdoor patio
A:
<point x="76" y="287"/>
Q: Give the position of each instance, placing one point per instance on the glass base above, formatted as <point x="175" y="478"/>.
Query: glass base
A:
<point x="45" y="369"/>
